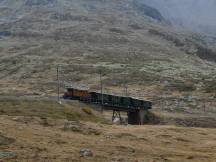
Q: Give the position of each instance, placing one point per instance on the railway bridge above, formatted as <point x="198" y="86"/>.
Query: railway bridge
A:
<point x="136" y="109"/>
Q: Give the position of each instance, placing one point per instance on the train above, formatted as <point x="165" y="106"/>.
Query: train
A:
<point x="120" y="103"/>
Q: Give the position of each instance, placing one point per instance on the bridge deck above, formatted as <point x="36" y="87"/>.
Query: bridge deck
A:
<point x="117" y="107"/>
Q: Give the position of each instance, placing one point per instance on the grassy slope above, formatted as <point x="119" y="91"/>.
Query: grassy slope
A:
<point x="36" y="129"/>
<point x="114" y="143"/>
<point x="48" y="109"/>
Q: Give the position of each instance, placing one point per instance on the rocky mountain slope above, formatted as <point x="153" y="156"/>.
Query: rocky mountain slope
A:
<point x="126" y="39"/>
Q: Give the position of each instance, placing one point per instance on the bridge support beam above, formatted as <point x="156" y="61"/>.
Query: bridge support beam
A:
<point x="116" y="114"/>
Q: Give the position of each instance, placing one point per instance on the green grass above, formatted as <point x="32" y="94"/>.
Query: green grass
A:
<point x="48" y="109"/>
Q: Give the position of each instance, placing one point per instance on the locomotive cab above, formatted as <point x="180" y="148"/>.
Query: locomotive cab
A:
<point x="76" y="94"/>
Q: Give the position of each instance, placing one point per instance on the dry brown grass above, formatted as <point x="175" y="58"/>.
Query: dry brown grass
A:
<point x="36" y="142"/>
<point x="37" y="129"/>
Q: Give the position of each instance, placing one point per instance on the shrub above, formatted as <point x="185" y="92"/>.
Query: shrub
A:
<point x="151" y="118"/>
<point x="182" y="86"/>
<point x="210" y="87"/>
<point x="87" y="111"/>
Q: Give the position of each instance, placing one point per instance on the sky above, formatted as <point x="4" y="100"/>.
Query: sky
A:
<point x="198" y="15"/>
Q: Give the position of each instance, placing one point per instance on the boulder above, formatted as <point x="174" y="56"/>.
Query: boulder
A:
<point x="86" y="153"/>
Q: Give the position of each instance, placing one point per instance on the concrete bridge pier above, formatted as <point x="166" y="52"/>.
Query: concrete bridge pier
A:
<point x="137" y="117"/>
